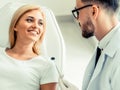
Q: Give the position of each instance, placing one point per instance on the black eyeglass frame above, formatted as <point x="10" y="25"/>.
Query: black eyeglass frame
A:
<point x="77" y="9"/>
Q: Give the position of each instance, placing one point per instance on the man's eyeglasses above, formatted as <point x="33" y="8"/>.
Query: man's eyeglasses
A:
<point x="75" y="12"/>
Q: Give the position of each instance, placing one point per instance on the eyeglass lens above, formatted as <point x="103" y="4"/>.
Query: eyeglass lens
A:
<point x="76" y="14"/>
<point x="76" y="10"/>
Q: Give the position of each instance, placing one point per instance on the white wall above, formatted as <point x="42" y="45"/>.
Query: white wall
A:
<point x="59" y="7"/>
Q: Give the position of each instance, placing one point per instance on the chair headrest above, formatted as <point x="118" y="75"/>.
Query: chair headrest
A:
<point x="6" y="13"/>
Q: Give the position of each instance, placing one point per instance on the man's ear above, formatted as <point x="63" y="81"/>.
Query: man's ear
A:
<point x="95" y="11"/>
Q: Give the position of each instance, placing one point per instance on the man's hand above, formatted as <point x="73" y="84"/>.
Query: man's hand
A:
<point x="66" y="85"/>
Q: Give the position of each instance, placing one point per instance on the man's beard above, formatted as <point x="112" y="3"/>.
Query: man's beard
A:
<point x="88" y="29"/>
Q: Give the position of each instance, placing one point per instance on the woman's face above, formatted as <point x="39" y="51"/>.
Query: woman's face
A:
<point x="30" y="26"/>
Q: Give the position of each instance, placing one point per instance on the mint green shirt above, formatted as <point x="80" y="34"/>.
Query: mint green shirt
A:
<point x="25" y="75"/>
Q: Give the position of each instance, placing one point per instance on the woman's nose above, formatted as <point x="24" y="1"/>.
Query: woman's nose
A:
<point x="35" y="25"/>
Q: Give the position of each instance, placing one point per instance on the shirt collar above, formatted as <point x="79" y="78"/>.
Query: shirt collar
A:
<point x="103" y="43"/>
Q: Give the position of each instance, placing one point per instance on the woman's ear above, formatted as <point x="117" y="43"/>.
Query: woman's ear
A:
<point x="15" y="29"/>
<point x="95" y="11"/>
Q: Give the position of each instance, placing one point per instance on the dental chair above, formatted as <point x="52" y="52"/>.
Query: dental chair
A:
<point x="53" y="45"/>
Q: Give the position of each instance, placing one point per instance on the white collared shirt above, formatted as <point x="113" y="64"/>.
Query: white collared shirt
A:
<point x="103" y="43"/>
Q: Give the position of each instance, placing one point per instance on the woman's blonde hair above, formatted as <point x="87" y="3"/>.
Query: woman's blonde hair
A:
<point x="16" y="17"/>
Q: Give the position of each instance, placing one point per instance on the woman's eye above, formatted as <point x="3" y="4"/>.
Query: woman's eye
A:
<point x="29" y="20"/>
<point x="40" y="23"/>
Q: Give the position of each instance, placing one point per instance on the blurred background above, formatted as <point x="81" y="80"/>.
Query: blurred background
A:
<point x="78" y="49"/>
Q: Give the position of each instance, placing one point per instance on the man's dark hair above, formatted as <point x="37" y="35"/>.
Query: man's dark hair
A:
<point x="108" y="4"/>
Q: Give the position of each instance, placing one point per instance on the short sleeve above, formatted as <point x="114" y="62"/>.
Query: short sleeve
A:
<point x="49" y="74"/>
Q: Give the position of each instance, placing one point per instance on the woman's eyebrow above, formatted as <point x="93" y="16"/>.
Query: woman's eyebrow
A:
<point x="30" y="17"/>
<point x="33" y="18"/>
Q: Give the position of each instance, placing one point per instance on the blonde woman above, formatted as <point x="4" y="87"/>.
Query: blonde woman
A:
<point x="21" y="65"/>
